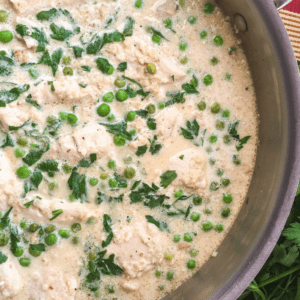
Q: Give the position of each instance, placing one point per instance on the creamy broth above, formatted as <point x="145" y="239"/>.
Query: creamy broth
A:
<point x="99" y="203"/>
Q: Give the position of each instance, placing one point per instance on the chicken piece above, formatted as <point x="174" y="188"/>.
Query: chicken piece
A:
<point x="138" y="247"/>
<point x="42" y="94"/>
<point x="164" y="8"/>
<point x="41" y="210"/>
<point x="143" y="139"/>
<point x="191" y="170"/>
<point x="12" y="116"/>
<point x="22" y="55"/>
<point x="10" y="280"/>
<point x="168" y="122"/>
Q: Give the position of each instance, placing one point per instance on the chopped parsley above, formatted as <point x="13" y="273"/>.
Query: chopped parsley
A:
<point x="107" y="223"/>
<point x="161" y="225"/>
<point x="141" y="150"/>
<point x="154" y="148"/>
<point x="167" y="177"/>
<point x="192" y="130"/>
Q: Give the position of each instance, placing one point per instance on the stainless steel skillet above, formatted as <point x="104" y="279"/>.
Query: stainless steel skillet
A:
<point x="277" y="171"/>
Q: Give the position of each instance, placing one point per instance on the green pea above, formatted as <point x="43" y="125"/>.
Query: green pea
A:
<point x="3" y="239"/>
<point x="22" y="142"/>
<point x="187" y="237"/>
<point x="90" y="220"/>
<point x="182" y="46"/>
<point x="23" y="224"/>
<point x="132" y="132"/>
<point x="156" y="39"/>
<point x="19" y="153"/>
<point x="3" y="16"/>
<point x="215" y="108"/>
<point x="220" y="172"/>
<point x="170" y="276"/>
<point x="103" y="110"/>
<point x="50" y="228"/>
<point x="184" y="60"/>
<point x="227" y="198"/>
<point x="130" y="116"/>
<point x="120" y="82"/>
<point x="6" y="36"/>
<point x="178" y="193"/>
<point x="108" y="97"/>
<point x="176" y="238"/>
<point x="226" y="139"/>
<point x="195" y="217"/>
<point x="104" y="176"/>
<point x="219" y="227"/>
<point x="225" y="182"/>
<point x="72" y="119"/>
<point x="112" y="183"/>
<point x="68" y="71"/>
<point x="161" y="105"/>
<point x="157" y="273"/>
<point x="18" y="252"/>
<point x="94" y="181"/>
<point x="110" y="70"/>
<point x="151" y="108"/>
<point x="75" y="227"/>
<point x="214" y="186"/>
<point x="35" y="253"/>
<point x="151" y="68"/>
<point x="225" y="212"/>
<point x="66" y="60"/>
<point x="203" y="34"/>
<point x="138" y="3"/>
<point x="208" y="8"/>
<point x="182" y="3"/>
<point x="51" y="120"/>
<point x="111" y="118"/>
<point x="23" y="172"/>
<point x="201" y="105"/>
<point x="67" y="169"/>
<point x="191" y="264"/>
<point x="236" y="160"/>
<point x="207" y="80"/>
<point x="220" y="125"/>
<point x="72" y="198"/>
<point x="197" y="200"/>
<point x="218" y="40"/>
<point x="121" y="95"/>
<point x="65" y="234"/>
<point x="63" y="115"/>
<point x="75" y="240"/>
<point x="213" y="139"/>
<point x="119" y="140"/>
<point x="194" y="252"/>
<point x="168" y="256"/>
<point x="225" y="113"/>
<point x="25" y="262"/>
<point x="51" y="239"/>
<point x="207" y="226"/>
<point x="192" y="20"/>
<point x="129" y="173"/>
<point x="111" y="164"/>
<point x="214" y="61"/>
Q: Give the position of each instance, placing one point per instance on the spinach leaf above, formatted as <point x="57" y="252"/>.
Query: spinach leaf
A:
<point x="4" y="221"/>
<point x="100" y="197"/>
<point x="103" y="65"/>
<point x="28" y="204"/>
<point x="161" y="225"/>
<point x="107" y="266"/>
<point x="232" y="129"/>
<point x="53" y="128"/>
<point x="122" y="66"/>
<point x="151" y="123"/>
<point x="14" y="238"/>
<point x="107" y="223"/>
<point x="118" y="199"/>
<point x="14" y="128"/>
<point x="189" y="88"/>
<point x="46" y="15"/>
<point x="41" y="37"/>
<point x="7" y="97"/>
<point x="77" y="183"/>
<point x="38" y="247"/>
<point x="56" y="213"/>
<point x="176" y="97"/>
<point x="3" y="258"/>
<point x="192" y="130"/>
<point x="128" y="28"/>
<point x="167" y="177"/>
<point x="142" y="113"/>
<point x="6" y="64"/>
<point x="33" y="183"/>
<point x="95" y="46"/>
<point x="157" y="33"/>
<point x="33" y="102"/>
<point x="142" y="93"/>
<point x="7" y="142"/>
<point x="141" y="150"/>
<point x="48" y="166"/>
<point x="52" y="62"/>
<point x="86" y="68"/>
<point x="115" y="36"/>
<point x="154" y="148"/>
<point x="22" y="30"/>
<point x="77" y="51"/>
<point x="131" y="93"/>
<point x="34" y="155"/>
<point x="118" y="129"/>
<point x="86" y="162"/>
<point x="121" y="182"/>
<point x="60" y="33"/>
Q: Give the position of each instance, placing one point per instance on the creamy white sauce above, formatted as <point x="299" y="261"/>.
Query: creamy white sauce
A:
<point x="142" y="250"/>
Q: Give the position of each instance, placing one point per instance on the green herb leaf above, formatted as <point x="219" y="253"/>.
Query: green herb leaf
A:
<point x="107" y="223"/>
<point x="128" y="28"/>
<point x="34" y="155"/>
<point x="3" y="258"/>
<point x="293" y="233"/>
<point x="52" y="62"/>
<point x="142" y="113"/>
<point x="95" y="46"/>
<point x="176" y="97"/>
<point x="48" y="166"/>
<point x="38" y="247"/>
<point x="86" y="68"/>
<point x="122" y="66"/>
<point x="4" y="221"/>
<point x="7" y="97"/>
<point x="118" y="129"/>
<point x="7" y="142"/>
<point x="157" y="33"/>
<point x="86" y="162"/>
<point x="77" y="51"/>
<point x="151" y="123"/>
<point x="115" y="36"/>
<point x="167" y="177"/>
<point x="60" y="33"/>
<point x="41" y="37"/>
<point x="154" y="148"/>
<point x="47" y="15"/>
<point x="33" y="102"/>
<point x="243" y="141"/>
<point x="131" y="93"/>
<point x="56" y="213"/>
<point x="161" y="225"/>
<point x="77" y="183"/>
<point x="141" y="150"/>
<point x="189" y="88"/>
<point x="103" y="65"/>
<point x="192" y="130"/>
<point x="28" y="204"/>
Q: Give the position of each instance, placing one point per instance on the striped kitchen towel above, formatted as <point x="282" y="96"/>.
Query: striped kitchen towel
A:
<point x="291" y="21"/>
